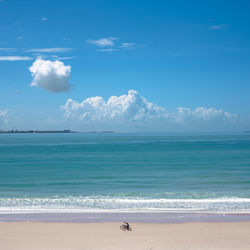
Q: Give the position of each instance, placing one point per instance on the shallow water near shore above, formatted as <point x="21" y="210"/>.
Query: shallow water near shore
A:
<point x="133" y="217"/>
<point x="124" y="173"/>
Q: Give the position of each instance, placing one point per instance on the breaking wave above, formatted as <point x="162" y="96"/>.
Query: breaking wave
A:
<point x="118" y="204"/>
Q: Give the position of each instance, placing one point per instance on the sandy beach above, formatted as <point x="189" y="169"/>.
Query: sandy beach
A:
<point x="40" y="235"/>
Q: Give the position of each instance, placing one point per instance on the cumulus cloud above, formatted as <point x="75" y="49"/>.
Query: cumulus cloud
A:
<point x="50" y="75"/>
<point x="15" y="58"/>
<point x="134" y="111"/>
<point x="49" y="50"/>
<point x="130" y="108"/>
<point x="103" y="42"/>
<point x="3" y="116"/>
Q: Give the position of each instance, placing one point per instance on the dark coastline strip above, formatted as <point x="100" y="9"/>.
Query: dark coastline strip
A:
<point x="35" y="131"/>
<point x="65" y="131"/>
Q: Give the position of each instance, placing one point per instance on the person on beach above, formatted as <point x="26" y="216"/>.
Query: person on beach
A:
<point x="127" y="225"/>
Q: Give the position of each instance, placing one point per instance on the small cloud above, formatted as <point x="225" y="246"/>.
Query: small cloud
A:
<point x="107" y="50"/>
<point x="19" y="38"/>
<point x="50" y="75"/>
<point x="103" y="42"/>
<point x="50" y="50"/>
<point x="44" y="19"/>
<point x="128" y="45"/>
<point x="66" y="58"/>
<point x="53" y="57"/>
<point x="15" y="58"/>
<point x="3" y="116"/>
<point x="56" y="57"/>
<point x="8" y="49"/>
<point x="217" y="27"/>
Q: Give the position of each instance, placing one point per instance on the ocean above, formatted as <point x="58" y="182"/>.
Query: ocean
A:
<point x="81" y="172"/>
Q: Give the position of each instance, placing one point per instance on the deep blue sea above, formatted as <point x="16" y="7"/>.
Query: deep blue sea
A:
<point x="124" y="172"/>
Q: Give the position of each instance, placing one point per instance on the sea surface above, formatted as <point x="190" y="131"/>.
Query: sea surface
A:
<point x="124" y="173"/>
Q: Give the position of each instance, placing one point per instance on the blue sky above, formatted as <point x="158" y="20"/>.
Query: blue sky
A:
<point x="189" y="58"/>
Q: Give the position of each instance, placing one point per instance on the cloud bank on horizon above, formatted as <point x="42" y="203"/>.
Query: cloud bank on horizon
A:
<point x="133" y="111"/>
<point x="118" y="109"/>
<point x="50" y="75"/>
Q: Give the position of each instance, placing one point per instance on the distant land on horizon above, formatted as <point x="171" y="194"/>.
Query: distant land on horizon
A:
<point x="47" y="131"/>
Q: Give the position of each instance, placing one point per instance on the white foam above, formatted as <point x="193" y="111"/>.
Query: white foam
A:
<point x="109" y="204"/>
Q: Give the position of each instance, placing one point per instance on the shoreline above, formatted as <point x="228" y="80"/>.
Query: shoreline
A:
<point x="136" y="217"/>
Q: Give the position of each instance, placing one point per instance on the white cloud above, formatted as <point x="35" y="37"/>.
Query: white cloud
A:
<point x="201" y="114"/>
<point x="53" y="57"/>
<point x="50" y="50"/>
<point x="3" y="116"/>
<point x="217" y="27"/>
<point x="103" y="42"/>
<point x="66" y="58"/>
<point x="56" y="57"/>
<point x="15" y="58"/>
<point x="19" y="38"/>
<point x="130" y="108"/>
<point x="134" y="112"/>
<point x="128" y="45"/>
<point x="50" y="75"/>
<point x="8" y="49"/>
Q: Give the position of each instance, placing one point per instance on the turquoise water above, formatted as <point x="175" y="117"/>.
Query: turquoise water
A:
<point x="122" y="172"/>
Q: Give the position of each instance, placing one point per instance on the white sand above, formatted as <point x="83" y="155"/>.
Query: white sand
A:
<point x="36" y="235"/>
